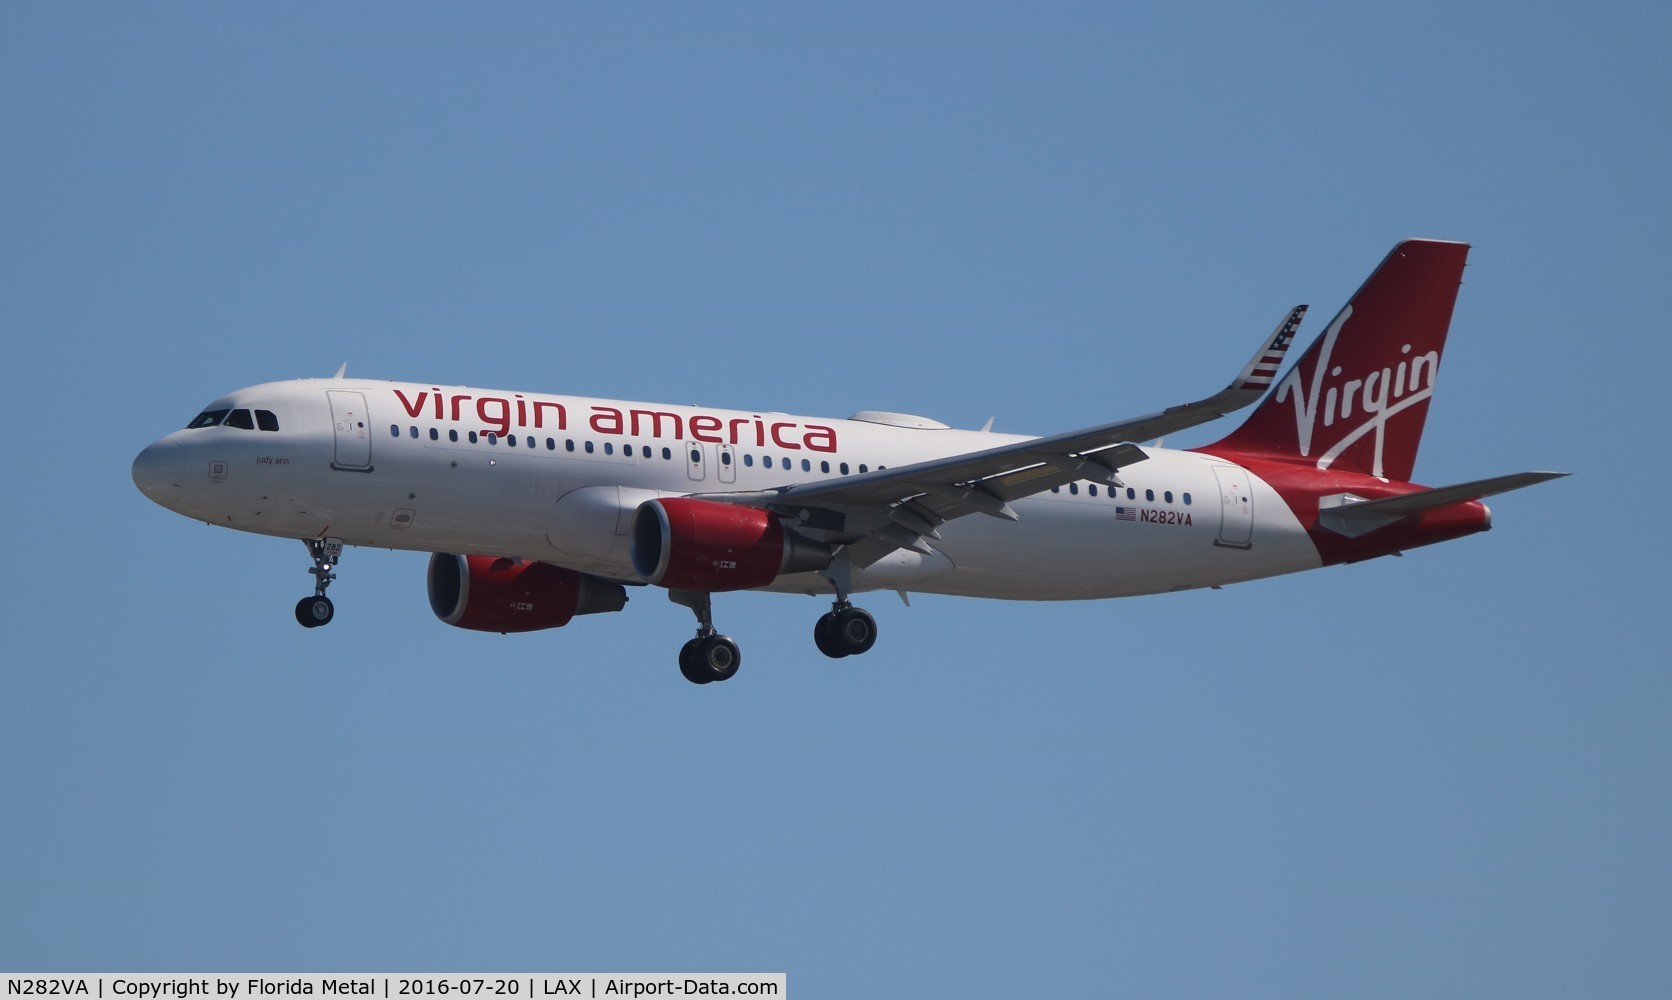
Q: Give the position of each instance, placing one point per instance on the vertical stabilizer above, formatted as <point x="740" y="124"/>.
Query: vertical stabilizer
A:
<point x="1357" y="399"/>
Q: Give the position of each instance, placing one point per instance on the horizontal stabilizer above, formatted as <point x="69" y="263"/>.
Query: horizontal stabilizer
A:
<point x="1353" y="516"/>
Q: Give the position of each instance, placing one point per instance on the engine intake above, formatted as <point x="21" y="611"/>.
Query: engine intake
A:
<point x="495" y="594"/>
<point x="687" y="544"/>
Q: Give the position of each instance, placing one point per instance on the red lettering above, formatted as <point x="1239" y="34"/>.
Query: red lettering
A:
<point x="778" y="439"/>
<point x="456" y="401"/>
<point x="655" y="417"/>
<point x="412" y="409"/>
<point x="500" y="421"/>
<point x="703" y="428"/>
<point x="539" y="414"/>
<point x="606" y="420"/>
<point x="820" y="438"/>
<point x="734" y="422"/>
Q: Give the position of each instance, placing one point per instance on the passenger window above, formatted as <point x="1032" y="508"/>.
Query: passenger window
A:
<point x="824" y="466"/>
<point x="806" y="465"/>
<point x="414" y="432"/>
<point x="435" y="435"/>
<point x="493" y="438"/>
<point x="267" y="420"/>
<point x="609" y="447"/>
<point x="208" y="418"/>
<point x="510" y="440"/>
<point x="1092" y="489"/>
<point x="1167" y="496"/>
<point x="1149" y="495"/>
<point x="551" y="445"/>
<point x="696" y="456"/>
<point x="568" y="444"/>
<point x="453" y="436"/>
<point x="1074" y="488"/>
<point x="1131" y="494"/>
<point x="1187" y="499"/>
<point x="844" y="468"/>
<point x="394" y="430"/>
<point x="472" y="437"/>
<point x="589" y="447"/>
<point x="667" y="454"/>
<point x="725" y="458"/>
<point x="766" y="460"/>
<point x="862" y="468"/>
<point x="749" y="460"/>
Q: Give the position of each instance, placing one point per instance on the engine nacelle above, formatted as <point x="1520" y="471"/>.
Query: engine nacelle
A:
<point x="687" y="544"/>
<point x="495" y="594"/>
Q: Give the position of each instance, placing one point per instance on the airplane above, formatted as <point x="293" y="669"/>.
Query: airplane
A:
<point x="537" y="508"/>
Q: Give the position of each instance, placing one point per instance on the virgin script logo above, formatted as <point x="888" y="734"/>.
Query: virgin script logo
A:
<point x="1372" y="399"/>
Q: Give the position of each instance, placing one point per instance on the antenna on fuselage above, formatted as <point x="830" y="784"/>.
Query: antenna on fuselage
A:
<point x="341" y="370"/>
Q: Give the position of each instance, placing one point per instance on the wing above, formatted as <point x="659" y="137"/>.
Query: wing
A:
<point x="898" y="507"/>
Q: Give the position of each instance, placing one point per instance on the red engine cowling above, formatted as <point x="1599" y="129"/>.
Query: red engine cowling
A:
<point x="493" y="594"/>
<point x="686" y="544"/>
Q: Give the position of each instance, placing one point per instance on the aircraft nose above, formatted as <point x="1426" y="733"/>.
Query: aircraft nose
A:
<point x="157" y="471"/>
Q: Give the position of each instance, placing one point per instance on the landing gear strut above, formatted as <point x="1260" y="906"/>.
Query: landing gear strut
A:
<point x="312" y="612"/>
<point x="710" y="656"/>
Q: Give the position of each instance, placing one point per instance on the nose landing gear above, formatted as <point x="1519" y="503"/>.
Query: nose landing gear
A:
<point x="312" y="612"/>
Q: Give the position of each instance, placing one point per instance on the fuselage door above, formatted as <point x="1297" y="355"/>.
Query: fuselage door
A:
<point x="349" y="426"/>
<point x="1236" y="508"/>
<point x="695" y="467"/>
<point x="728" y="464"/>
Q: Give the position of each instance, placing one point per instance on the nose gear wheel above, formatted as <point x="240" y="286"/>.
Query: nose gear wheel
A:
<point x="312" y="612"/>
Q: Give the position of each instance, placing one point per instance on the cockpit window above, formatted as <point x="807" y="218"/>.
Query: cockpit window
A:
<point x="208" y="418"/>
<point x="240" y="419"/>
<point x="266" y="420"/>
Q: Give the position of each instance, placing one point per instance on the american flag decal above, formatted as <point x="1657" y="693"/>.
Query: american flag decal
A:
<point x="1126" y="513"/>
<point x="1263" y="369"/>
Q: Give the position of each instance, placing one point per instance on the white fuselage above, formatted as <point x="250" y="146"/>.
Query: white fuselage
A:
<point x="557" y="479"/>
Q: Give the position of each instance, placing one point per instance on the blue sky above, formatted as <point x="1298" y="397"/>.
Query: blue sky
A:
<point x="1442" y="775"/>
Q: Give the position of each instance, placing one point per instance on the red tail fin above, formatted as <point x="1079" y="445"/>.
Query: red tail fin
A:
<point x="1357" y="399"/>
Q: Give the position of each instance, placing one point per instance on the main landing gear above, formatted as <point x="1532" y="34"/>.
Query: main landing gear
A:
<point x="710" y="656"/>
<point x="312" y="612"/>
<point x="843" y="631"/>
